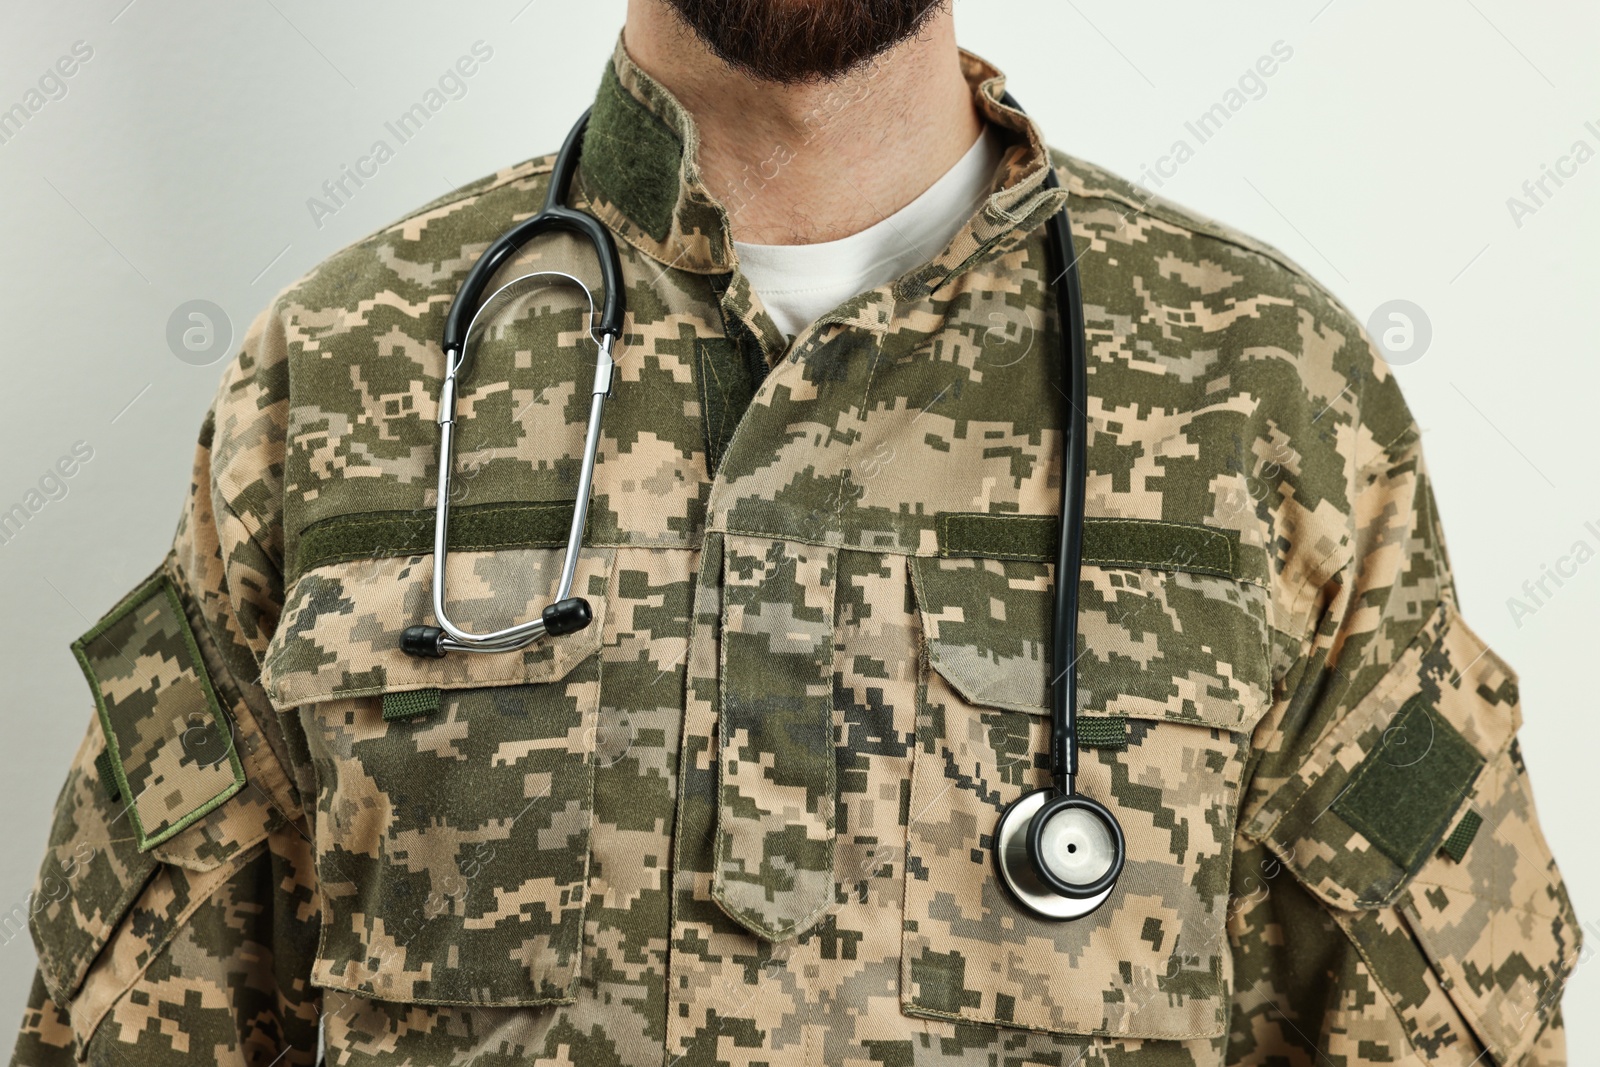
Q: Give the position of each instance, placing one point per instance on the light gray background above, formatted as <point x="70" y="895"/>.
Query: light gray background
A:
<point x="1381" y="156"/>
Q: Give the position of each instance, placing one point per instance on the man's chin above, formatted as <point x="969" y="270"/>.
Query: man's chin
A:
<point x="795" y="41"/>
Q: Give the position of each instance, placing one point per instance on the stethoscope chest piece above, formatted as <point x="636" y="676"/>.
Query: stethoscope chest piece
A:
<point x="1059" y="854"/>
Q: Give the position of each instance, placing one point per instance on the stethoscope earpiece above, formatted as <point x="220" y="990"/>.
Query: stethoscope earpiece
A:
<point x="1059" y="854"/>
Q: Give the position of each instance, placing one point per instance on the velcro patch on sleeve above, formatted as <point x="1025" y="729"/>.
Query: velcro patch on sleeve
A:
<point x="1404" y="794"/>
<point x="169" y="742"/>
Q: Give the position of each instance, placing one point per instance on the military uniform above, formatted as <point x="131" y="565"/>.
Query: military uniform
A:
<point x="745" y="817"/>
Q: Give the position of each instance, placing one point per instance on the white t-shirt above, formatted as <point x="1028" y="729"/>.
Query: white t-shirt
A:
<point x="798" y="284"/>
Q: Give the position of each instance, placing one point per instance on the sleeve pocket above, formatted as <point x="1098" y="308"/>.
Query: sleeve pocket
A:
<point x="91" y="874"/>
<point x="151" y="818"/>
<point x="1414" y="822"/>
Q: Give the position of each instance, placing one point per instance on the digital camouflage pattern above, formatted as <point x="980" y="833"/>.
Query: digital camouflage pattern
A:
<point x="745" y="817"/>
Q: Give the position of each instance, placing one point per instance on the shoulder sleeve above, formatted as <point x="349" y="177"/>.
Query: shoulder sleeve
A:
<point x="1393" y="893"/>
<point x="180" y="823"/>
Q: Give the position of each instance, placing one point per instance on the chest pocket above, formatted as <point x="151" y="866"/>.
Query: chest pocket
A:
<point x="454" y="795"/>
<point x="1174" y="674"/>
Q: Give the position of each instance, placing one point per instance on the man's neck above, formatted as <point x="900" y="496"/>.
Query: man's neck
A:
<point x="816" y="161"/>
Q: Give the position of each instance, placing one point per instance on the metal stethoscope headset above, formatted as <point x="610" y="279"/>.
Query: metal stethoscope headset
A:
<point x="1058" y="853"/>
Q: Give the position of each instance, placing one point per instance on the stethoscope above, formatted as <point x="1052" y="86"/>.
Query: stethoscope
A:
<point x="1058" y="853"/>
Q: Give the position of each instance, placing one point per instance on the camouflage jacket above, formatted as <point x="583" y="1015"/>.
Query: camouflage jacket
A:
<point x="745" y="817"/>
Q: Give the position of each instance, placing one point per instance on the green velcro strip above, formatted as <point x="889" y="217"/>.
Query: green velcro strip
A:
<point x="1103" y="731"/>
<point x="473" y="528"/>
<point x="108" y="775"/>
<point x="1403" y="794"/>
<point x="410" y="704"/>
<point x="1455" y="846"/>
<point x="632" y="157"/>
<point x="1106" y="542"/>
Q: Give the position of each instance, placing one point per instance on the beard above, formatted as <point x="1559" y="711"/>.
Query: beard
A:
<point x="789" y="41"/>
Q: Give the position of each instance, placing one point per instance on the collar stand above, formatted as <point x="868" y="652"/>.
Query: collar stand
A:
<point x="641" y="178"/>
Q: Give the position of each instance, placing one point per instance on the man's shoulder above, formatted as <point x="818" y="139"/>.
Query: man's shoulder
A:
<point x="1193" y="288"/>
<point x="1136" y="206"/>
<point x="382" y="294"/>
<point x="1214" y="258"/>
<point x="420" y="247"/>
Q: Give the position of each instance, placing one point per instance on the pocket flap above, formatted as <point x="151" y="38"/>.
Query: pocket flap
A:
<point x="1164" y="634"/>
<point x="340" y="631"/>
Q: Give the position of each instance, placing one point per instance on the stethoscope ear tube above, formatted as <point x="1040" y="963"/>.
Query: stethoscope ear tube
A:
<point x="555" y="216"/>
<point x="567" y="614"/>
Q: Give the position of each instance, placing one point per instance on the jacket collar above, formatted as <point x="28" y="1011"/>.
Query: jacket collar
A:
<point x="641" y="176"/>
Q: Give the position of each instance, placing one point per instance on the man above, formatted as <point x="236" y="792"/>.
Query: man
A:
<point x="746" y="816"/>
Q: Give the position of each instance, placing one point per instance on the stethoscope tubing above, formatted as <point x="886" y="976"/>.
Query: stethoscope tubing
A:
<point x="566" y="613"/>
<point x="1074" y="487"/>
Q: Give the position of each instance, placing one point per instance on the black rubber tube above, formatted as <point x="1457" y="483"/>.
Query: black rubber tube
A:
<point x="1074" y="486"/>
<point x="554" y="217"/>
